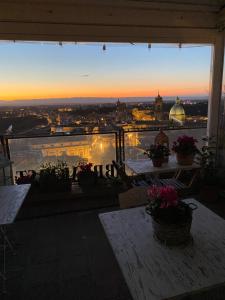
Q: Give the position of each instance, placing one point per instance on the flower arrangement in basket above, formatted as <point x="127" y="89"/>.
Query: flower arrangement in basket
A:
<point x="86" y="177"/>
<point x="171" y="217"/>
<point x="54" y="176"/>
<point x="185" y="149"/>
<point x="157" y="153"/>
<point x="29" y="178"/>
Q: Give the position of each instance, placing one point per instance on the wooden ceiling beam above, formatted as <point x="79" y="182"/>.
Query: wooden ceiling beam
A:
<point x="93" y="33"/>
<point x="129" y="21"/>
<point x="82" y="14"/>
<point x="211" y="6"/>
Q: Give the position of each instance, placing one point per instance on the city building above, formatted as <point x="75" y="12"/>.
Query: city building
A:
<point x="143" y="114"/>
<point x="121" y="112"/>
<point x="158" y="108"/>
<point x="177" y="113"/>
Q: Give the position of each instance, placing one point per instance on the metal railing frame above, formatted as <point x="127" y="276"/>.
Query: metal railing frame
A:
<point x="119" y="138"/>
<point x="124" y="132"/>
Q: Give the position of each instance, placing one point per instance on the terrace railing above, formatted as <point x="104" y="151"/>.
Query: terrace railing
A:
<point x="100" y="148"/>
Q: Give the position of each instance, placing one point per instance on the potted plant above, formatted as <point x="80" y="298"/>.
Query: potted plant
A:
<point x="86" y="177"/>
<point x="157" y="153"/>
<point x="171" y="217"/>
<point x="55" y="177"/>
<point x="30" y="177"/>
<point x="185" y="149"/>
<point x="27" y="178"/>
<point x="208" y="173"/>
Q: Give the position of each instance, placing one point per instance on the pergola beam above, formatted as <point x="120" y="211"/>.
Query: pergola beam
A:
<point x="116" y="21"/>
<point x="98" y="33"/>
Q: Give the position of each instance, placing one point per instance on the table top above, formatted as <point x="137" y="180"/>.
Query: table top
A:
<point x="145" y="166"/>
<point x="11" y="199"/>
<point x="154" y="271"/>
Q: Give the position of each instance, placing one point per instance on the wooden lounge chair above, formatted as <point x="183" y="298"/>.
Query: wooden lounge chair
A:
<point x="182" y="187"/>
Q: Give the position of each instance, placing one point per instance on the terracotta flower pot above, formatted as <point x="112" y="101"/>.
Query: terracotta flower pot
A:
<point x="184" y="159"/>
<point x="157" y="163"/>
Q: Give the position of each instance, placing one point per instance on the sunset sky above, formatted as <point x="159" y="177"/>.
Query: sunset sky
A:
<point x="35" y="71"/>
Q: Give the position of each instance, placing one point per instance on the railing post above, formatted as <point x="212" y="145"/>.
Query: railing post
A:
<point x="5" y="146"/>
<point x="121" y="146"/>
<point x="6" y="153"/>
<point x="117" y="146"/>
<point x="216" y="88"/>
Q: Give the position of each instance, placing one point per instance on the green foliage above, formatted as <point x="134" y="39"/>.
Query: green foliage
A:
<point x="206" y="158"/>
<point x="157" y="152"/>
<point x="60" y="170"/>
<point x="54" y="177"/>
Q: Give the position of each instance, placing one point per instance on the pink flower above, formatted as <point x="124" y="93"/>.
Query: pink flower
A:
<point x="185" y="144"/>
<point x="153" y="193"/>
<point x="169" y="196"/>
<point x="163" y="197"/>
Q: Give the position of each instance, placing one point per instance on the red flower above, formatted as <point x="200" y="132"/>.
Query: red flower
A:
<point x="185" y="145"/>
<point x="84" y="168"/>
<point x="153" y="193"/>
<point x="169" y="196"/>
<point x="162" y="197"/>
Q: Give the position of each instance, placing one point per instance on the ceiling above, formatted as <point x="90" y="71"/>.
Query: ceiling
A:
<point x="112" y="20"/>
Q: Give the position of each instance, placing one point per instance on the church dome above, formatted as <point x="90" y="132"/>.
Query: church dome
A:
<point x="177" y="112"/>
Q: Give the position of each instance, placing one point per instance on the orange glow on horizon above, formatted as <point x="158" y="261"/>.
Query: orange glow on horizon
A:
<point x="29" y="94"/>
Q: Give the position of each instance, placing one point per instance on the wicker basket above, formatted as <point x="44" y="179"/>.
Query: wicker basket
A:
<point x="172" y="234"/>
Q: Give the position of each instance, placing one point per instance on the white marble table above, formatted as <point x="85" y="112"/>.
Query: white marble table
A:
<point x="153" y="271"/>
<point x="11" y="199"/>
<point x="145" y="166"/>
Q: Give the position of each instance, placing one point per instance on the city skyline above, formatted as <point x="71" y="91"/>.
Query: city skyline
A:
<point x="49" y="71"/>
<point x="94" y="101"/>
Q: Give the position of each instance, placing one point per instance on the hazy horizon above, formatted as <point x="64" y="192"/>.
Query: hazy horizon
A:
<point x="91" y="100"/>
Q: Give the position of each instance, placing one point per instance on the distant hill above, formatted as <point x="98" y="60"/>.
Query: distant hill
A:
<point x="90" y="100"/>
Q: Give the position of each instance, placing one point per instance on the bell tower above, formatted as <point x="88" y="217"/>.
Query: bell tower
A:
<point x="158" y="108"/>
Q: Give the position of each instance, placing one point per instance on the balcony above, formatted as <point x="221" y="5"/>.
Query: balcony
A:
<point x="65" y="251"/>
<point x="66" y="255"/>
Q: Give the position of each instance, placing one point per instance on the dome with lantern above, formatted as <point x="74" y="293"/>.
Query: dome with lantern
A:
<point x="177" y="112"/>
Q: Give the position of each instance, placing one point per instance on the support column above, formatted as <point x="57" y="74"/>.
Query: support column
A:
<point x="216" y="79"/>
